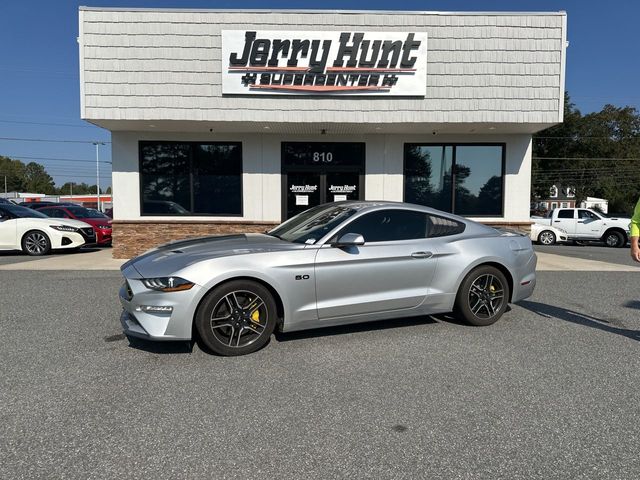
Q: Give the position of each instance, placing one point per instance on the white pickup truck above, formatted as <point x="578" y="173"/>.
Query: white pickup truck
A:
<point x="587" y="224"/>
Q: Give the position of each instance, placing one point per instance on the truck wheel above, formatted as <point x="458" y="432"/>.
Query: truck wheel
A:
<point x="547" y="237"/>
<point x="614" y="239"/>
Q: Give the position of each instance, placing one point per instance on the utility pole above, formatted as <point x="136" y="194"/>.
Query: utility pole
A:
<point x="97" y="144"/>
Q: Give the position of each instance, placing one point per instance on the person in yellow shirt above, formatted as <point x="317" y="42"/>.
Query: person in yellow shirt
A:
<point x="635" y="233"/>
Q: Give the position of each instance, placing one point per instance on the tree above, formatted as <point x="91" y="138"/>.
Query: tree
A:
<point x="14" y="172"/>
<point x="38" y="180"/>
<point x="597" y="154"/>
<point x="78" y="189"/>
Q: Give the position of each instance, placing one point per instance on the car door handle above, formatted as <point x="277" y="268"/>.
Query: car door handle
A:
<point x="580" y="221"/>
<point x="556" y="221"/>
<point x="422" y="254"/>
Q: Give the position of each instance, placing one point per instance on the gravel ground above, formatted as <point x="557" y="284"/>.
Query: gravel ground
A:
<point x="549" y="392"/>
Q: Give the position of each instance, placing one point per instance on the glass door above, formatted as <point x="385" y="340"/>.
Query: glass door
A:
<point x="321" y="172"/>
<point x="303" y="192"/>
<point x="342" y="186"/>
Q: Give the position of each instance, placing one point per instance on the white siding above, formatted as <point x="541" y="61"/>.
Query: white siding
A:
<point x="165" y="65"/>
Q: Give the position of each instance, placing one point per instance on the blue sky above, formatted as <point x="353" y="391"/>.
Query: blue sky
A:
<point x="39" y="91"/>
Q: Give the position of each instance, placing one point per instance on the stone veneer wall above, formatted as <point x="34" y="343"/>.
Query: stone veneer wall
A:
<point x="131" y="238"/>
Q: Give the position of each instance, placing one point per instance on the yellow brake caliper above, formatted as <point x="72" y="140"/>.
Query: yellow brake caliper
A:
<point x="255" y="316"/>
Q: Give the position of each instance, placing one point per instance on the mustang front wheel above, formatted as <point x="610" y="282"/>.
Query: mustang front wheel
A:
<point x="236" y="318"/>
<point x="482" y="297"/>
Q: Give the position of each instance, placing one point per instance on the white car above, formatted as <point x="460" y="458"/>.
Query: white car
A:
<point x="547" y="235"/>
<point x="36" y="234"/>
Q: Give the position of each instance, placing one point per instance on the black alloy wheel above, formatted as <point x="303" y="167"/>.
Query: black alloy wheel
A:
<point x="236" y="318"/>
<point x="483" y="296"/>
<point x="36" y="243"/>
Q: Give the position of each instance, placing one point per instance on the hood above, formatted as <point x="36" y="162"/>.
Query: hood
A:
<point x="63" y="221"/>
<point x="97" y="221"/>
<point x="172" y="257"/>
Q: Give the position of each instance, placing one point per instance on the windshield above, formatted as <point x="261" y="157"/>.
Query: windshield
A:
<point x="80" y="212"/>
<point x="22" y="212"/>
<point x="313" y="224"/>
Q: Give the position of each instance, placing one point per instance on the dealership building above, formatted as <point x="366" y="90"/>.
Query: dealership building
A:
<point x="235" y="120"/>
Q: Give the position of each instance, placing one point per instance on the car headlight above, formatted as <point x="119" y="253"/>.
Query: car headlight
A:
<point x="104" y="227"/>
<point x="64" y="228"/>
<point x="167" y="284"/>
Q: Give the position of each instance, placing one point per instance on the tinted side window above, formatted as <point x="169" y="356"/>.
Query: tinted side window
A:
<point x="389" y="226"/>
<point x="565" y="213"/>
<point x="586" y="214"/>
<point x="54" y="213"/>
<point x="442" y="227"/>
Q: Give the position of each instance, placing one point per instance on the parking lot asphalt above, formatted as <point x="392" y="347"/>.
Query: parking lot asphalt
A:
<point x="551" y="391"/>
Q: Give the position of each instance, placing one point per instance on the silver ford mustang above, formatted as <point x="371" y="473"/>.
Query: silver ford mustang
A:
<point x="334" y="264"/>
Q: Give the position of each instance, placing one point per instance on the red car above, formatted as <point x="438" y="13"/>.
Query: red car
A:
<point x="99" y="221"/>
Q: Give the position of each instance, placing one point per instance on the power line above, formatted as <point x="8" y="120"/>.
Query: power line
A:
<point x="48" y="140"/>
<point x="49" y="124"/>
<point x="629" y="168"/>
<point x="585" y="158"/>
<point x="54" y="159"/>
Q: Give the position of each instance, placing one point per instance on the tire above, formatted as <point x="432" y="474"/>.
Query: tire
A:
<point x="614" y="239"/>
<point x="36" y="243"/>
<point x="246" y="317"/>
<point x="482" y="297"/>
<point x="547" y="237"/>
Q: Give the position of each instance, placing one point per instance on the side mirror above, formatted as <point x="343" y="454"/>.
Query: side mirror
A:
<point x="349" y="240"/>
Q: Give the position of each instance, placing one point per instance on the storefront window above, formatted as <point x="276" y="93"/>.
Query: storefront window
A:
<point x="463" y="179"/>
<point x="191" y="178"/>
<point x="427" y="171"/>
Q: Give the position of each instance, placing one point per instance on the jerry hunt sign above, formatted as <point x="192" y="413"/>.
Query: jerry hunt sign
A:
<point x="324" y="63"/>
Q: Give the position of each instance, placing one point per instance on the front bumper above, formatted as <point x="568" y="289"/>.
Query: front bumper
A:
<point x="66" y="240"/>
<point x="174" y="325"/>
<point x="103" y="236"/>
<point x="89" y="235"/>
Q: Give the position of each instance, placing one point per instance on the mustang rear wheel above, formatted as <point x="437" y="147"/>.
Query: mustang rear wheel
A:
<point x="482" y="297"/>
<point x="36" y="243"/>
<point x="236" y="318"/>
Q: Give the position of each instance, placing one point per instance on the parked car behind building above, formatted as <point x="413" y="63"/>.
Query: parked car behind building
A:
<point x="99" y="221"/>
<point x="35" y="234"/>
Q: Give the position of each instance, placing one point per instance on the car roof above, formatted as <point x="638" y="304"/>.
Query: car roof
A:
<point x="370" y="205"/>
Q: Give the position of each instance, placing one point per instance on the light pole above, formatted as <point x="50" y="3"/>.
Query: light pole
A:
<point x="97" y="144"/>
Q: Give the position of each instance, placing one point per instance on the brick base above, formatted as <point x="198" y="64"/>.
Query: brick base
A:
<point x="131" y="238"/>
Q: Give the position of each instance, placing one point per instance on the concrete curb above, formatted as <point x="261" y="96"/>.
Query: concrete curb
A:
<point x="90" y="260"/>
